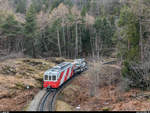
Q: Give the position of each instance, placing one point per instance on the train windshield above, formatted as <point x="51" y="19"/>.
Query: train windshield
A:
<point x="53" y="77"/>
<point x="50" y="78"/>
<point x="46" y="77"/>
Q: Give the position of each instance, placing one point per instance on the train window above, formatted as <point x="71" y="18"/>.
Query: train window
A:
<point x="53" y="78"/>
<point x="46" y="77"/>
<point x="50" y="77"/>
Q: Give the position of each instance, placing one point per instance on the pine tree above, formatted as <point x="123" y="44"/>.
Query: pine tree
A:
<point x="37" y="4"/>
<point x="129" y="44"/>
<point x="104" y="30"/>
<point x="30" y="31"/>
<point x="10" y="26"/>
<point x="130" y="33"/>
<point x="21" y="6"/>
<point x="11" y="29"/>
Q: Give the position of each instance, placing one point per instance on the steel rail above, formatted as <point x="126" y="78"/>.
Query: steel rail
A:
<point x="41" y="106"/>
<point x="50" y="96"/>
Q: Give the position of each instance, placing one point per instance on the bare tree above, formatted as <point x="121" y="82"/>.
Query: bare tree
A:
<point x="58" y="40"/>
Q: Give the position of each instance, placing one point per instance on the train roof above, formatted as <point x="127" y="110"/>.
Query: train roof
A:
<point x="82" y="59"/>
<point x="79" y="60"/>
<point x="58" y="67"/>
<point x="62" y="65"/>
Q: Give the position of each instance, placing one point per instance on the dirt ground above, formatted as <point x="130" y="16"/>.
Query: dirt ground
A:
<point x="106" y="98"/>
<point x="34" y="104"/>
<point x="16" y="75"/>
<point x="79" y="95"/>
<point x="18" y="101"/>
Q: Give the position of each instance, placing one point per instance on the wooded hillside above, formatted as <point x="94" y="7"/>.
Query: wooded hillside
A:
<point x="80" y="28"/>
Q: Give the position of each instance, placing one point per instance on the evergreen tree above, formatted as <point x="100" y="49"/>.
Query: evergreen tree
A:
<point x="129" y="44"/>
<point x="30" y="31"/>
<point x="21" y="6"/>
<point x="104" y="30"/>
<point x="56" y="3"/>
<point x="84" y="11"/>
<point x="130" y="33"/>
<point x="37" y="4"/>
<point x="11" y="29"/>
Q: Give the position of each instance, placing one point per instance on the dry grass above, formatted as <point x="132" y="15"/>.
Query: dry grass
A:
<point x="102" y="75"/>
<point x="16" y="74"/>
<point x="62" y="106"/>
<point x="108" y="95"/>
<point x="13" y="55"/>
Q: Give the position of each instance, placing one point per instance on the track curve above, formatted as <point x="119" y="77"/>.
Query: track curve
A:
<point x="48" y="101"/>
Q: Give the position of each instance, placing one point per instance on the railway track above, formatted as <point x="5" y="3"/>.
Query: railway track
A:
<point x="48" y="101"/>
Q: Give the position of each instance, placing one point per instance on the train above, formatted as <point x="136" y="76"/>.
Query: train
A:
<point x="59" y="74"/>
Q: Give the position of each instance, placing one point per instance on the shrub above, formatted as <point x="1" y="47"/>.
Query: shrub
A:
<point x="137" y="73"/>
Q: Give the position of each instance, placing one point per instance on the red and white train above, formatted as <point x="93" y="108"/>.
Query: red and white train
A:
<point x="58" y="75"/>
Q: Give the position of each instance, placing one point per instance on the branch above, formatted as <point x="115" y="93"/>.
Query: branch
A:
<point x="145" y="21"/>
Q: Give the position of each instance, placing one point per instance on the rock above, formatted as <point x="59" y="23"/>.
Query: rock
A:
<point x="106" y="103"/>
<point x="78" y="107"/>
<point x="8" y="70"/>
<point x="135" y="103"/>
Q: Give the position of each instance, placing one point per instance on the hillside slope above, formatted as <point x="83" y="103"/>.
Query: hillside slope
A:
<point x="84" y="95"/>
<point x="16" y="75"/>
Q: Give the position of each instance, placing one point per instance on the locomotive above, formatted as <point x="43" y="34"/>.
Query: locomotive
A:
<point x="59" y="74"/>
<point x="80" y="65"/>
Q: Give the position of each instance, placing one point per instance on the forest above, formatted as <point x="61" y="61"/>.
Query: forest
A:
<point x="80" y="28"/>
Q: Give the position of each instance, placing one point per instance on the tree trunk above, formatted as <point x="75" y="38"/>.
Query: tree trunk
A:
<point x="33" y="50"/>
<point x="128" y="44"/>
<point x="80" y="41"/>
<point x="141" y="42"/>
<point x="76" y="42"/>
<point x="64" y="39"/>
<point x="58" y="39"/>
<point x="96" y="45"/>
<point x="43" y="39"/>
<point x="99" y="44"/>
<point x="92" y="41"/>
<point x="67" y="49"/>
<point x="141" y="35"/>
